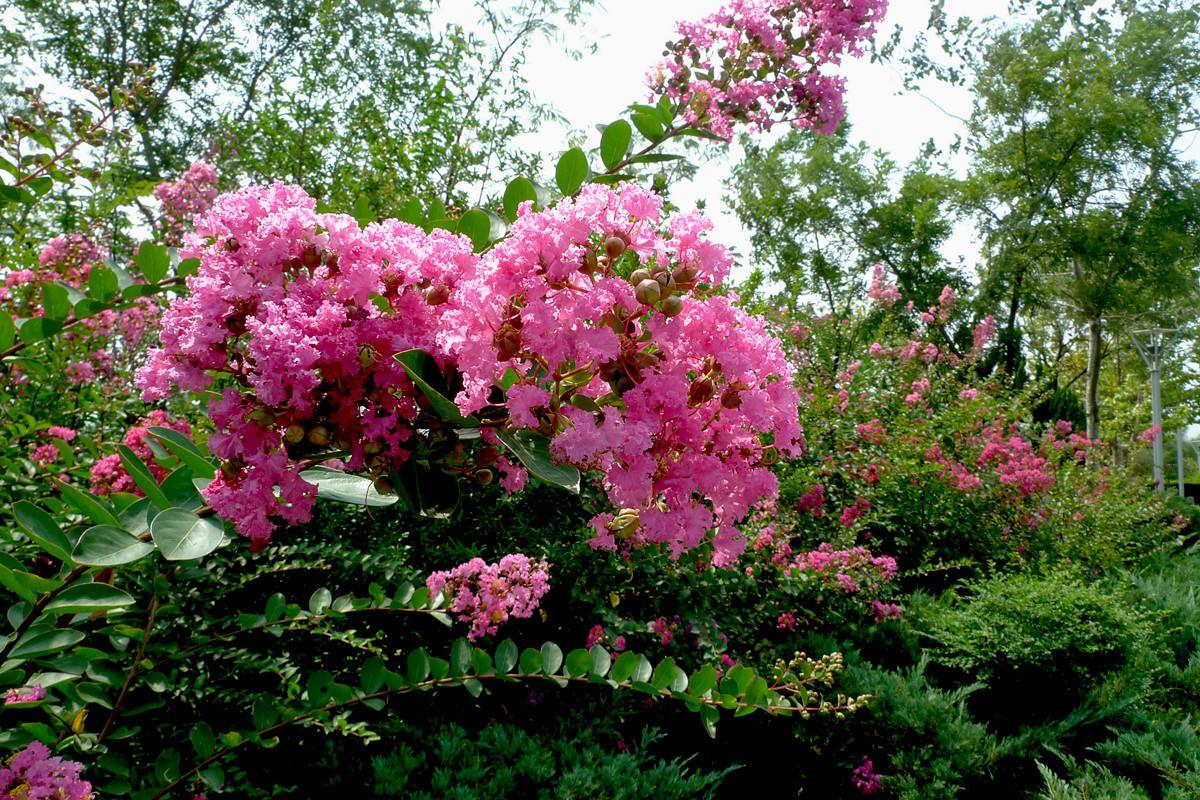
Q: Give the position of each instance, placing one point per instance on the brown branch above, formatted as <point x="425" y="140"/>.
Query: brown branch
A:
<point x="133" y="670"/>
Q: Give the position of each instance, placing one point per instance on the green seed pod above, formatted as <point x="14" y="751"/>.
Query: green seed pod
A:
<point x="648" y="292"/>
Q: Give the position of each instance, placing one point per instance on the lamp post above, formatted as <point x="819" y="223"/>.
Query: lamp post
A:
<point x="1152" y="344"/>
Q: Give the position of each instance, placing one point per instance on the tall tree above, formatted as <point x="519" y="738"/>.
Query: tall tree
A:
<point x="1083" y="199"/>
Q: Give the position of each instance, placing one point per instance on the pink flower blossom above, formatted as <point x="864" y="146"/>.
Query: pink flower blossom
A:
<point x="486" y="595"/>
<point x="30" y="695"/>
<point x="34" y="773"/>
<point x="884" y="294"/>
<point x="865" y="781"/>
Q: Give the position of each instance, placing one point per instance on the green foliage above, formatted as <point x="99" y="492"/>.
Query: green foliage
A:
<point x="507" y="761"/>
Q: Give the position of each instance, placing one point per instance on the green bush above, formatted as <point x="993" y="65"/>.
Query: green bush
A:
<point x="504" y="761"/>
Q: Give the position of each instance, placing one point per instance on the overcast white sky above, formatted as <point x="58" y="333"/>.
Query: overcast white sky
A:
<point x="630" y="34"/>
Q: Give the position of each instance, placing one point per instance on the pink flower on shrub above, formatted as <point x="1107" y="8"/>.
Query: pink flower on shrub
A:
<point x="60" y="432"/>
<point x="44" y="455"/>
<point x="864" y="778"/>
<point x="813" y="501"/>
<point x="787" y="621"/>
<point x="884" y="611"/>
<point x="29" y="695"/>
<point x="486" y="595"/>
<point x="1150" y="433"/>
<point x="853" y="512"/>
<point x="595" y="636"/>
<point x="34" y="773"/>
<point x="186" y="198"/>
<point x="885" y="294"/>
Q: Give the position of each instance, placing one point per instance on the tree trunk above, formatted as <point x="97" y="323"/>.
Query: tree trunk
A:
<point x="1092" y="394"/>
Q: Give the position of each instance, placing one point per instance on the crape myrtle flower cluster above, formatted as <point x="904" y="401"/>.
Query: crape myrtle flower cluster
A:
<point x="109" y="475"/>
<point x="598" y="317"/>
<point x="185" y="199"/>
<point x="33" y="774"/>
<point x="485" y="595"/>
<point x="762" y="62"/>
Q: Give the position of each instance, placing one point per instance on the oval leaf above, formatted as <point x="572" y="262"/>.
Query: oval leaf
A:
<point x="346" y="488"/>
<point x="614" y="143"/>
<point x="109" y="546"/>
<point x="572" y="171"/>
<point x="182" y="536"/>
<point x="89" y="598"/>
<point x="518" y="191"/>
<point x="42" y="528"/>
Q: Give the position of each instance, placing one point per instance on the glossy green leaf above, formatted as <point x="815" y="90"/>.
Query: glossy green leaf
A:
<point x="531" y="661"/>
<point x="320" y="601"/>
<point x="102" y="284"/>
<point x="152" y="261"/>
<point x="648" y="124"/>
<point x="90" y="598"/>
<point x="601" y="660"/>
<point x="25" y="585"/>
<point x="202" y="739"/>
<point x="142" y="476"/>
<point x="614" y="143"/>
<point x="476" y="225"/>
<point x="423" y="371"/>
<point x="624" y="667"/>
<point x="344" y="487"/>
<point x="533" y="451"/>
<point x="371" y="674"/>
<point x="38" y="328"/>
<point x="552" y="658"/>
<point x="518" y="191"/>
<point x="579" y="662"/>
<point x="45" y="642"/>
<point x="88" y="504"/>
<point x="182" y="536"/>
<point x="109" y="546"/>
<point x="418" y="665"/>
<point x="42" y="529"/>
<point x="702" y="680"/>
<point x="460" y="658"/>
<point x="8" y="330"/>
<point x="506" y="656"/>
<point x="185" y="450"/>
<point x="56" y="302"/>
<point x="571" y="171"/>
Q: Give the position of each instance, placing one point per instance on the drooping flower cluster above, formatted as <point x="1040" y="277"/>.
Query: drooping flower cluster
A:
<point x="761" y="62"/>
<point x="185" y="199"/>
<point x="593" y="315"/>
<point x="33" y="774"/>
<point x="109" y="475"/>
<point x="485" y="595"/>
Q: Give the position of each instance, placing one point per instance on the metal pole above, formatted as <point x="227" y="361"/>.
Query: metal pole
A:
<point x="1179" y="459"/>
<point x="1156" y="420"/>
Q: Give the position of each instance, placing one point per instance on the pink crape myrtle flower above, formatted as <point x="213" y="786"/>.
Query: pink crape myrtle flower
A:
<point x="763" y="62"/>
<point x="34" y="773"/>
<point x="30" y="695"/>
<point x="486" y="595"/>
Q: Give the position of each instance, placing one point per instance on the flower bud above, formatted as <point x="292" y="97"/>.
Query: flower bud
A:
<point x="310" y="258"/>
<point x="701" y="391"/>
<point x="484" y="476"/>
<point x="731" y="398"/>
<point x="293" y="434"/>
<point x="686" y="276"/>
<point x="639" y="275"/>
<point x="486" y="457"/>
<point x="672" y="306"/>
<point x="383" y="485"/>
<point x="625" y="523"/>
<point x="437" y="294"/>
<point x="648" y="292"/>
<point x="319" y="436"/>
<point x="614" y="246"/>
<point x="366" y="356"/>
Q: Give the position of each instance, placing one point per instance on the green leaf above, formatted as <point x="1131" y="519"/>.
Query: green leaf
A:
<point x="102" y="284"/>
<point x="648" y="124"/>
<point x="614" y="143"/>
<point x="423" y="371"/>
<point x="40" y="185"/>
<point x="624" y="667"/>
<point x="571" y="171"/>
<point x="579" y="662"/>
<point x="89" y="598"/>
<point x="45" y="642"/>
<point x="87" y="504"/>
<point x="460" y="658"/>
<point x="518" y="191"/>
<point x="655" y="158"/>
<point x="418" y="665"/>
<point x="319" y="688"/>
<point x="183" y="536"/>
<point x="42" y="529"/>
<point x="476" y="225"/>
<point x="363" y="213"/>
<point x="188" y="266"/>
<point x="412" y="213"/>
<point x="702" y="680"/>
<point x="142" y="477"/>
<point x="16" y="194"/>
<point x="533" y="451"/>
<point x="601" y="660"/>
<point x="185" y="450"/>
<point x="320" y="600"/>
<point x="506" y="656"/>
<point x="531" y="661"/>
<point x="643" y="670"/>
<point x="38" y="328"/>
<point x="202" y="739"/>
<point x="25" y="585"/>
<point x="371" y="674"/>
<point x="708" y="717"/>
<point x="8" y="331"/>
<point x="56" y="301"/>
<point x="664" y="674"/>
<point x="552" y="658"/>
<point x="344" y="487"/>
<point x="109" y="546"/>
<point x="152" y="261"/>
<point x="481" y="662"/>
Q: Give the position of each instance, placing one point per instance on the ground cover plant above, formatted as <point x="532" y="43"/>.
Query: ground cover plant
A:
<point x="320" y="480"/>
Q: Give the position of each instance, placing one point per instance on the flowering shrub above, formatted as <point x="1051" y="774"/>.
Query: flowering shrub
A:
<point x="33" y="774"/>
<point x="185" y="199"/>
<point x="591" y="316"/>
<point x="485" y="595"/>
<point x="759" y="63"/>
